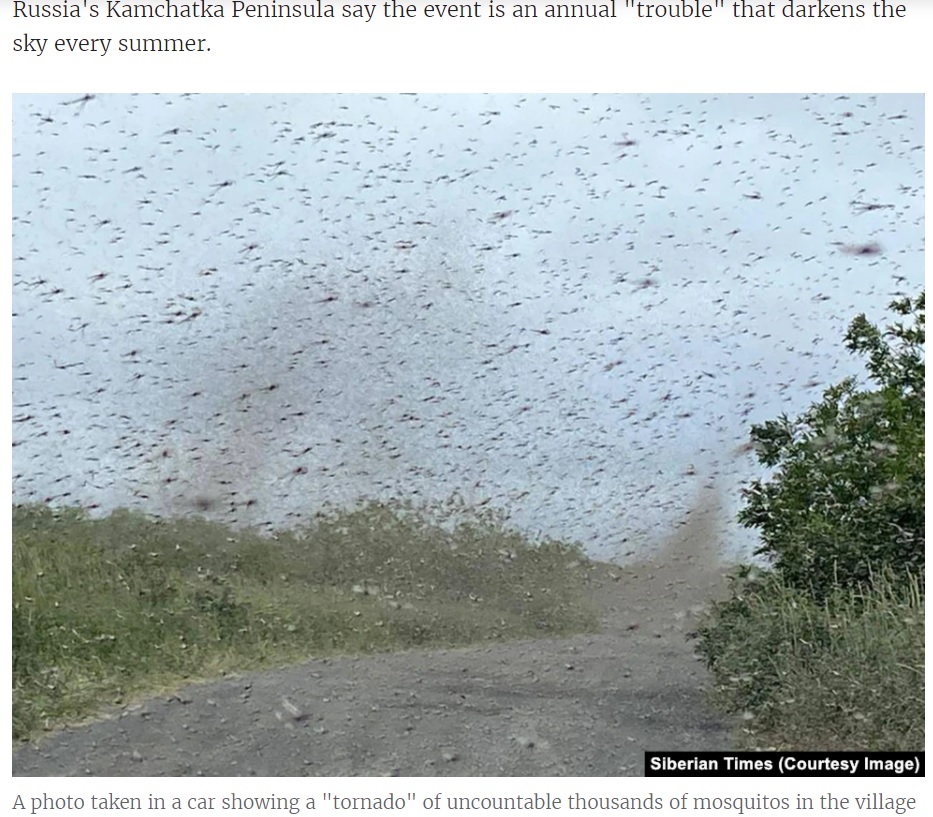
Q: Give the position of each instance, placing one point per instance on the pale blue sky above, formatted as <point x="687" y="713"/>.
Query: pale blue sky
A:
<point x="560" y="305"/>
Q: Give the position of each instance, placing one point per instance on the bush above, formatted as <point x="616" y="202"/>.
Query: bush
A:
<point x="847" y="494"/>
<point x="824" y="649"/>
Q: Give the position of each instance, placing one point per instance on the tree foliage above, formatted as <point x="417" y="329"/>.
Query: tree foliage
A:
<point x="846" y="495"/>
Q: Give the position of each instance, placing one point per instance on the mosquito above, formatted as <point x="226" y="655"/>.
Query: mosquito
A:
<point x="82" y="101"/>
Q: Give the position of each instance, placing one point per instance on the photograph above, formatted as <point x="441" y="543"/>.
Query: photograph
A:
<point x="464" y="434"/>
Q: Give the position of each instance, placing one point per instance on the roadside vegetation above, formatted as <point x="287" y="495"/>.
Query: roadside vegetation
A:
<point x="824" y="647"/>
<point x="109" y="610"/>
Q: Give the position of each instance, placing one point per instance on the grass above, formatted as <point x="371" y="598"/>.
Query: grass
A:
<point x="109" y="610"/>
<point x="847" y="673"/>
<point x="106" y="611"/>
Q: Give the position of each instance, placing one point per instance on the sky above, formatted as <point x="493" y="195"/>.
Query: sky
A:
<point x="568" y="308"/>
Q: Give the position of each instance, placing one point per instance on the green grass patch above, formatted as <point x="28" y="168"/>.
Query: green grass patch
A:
<point x="109" y="610"/>
<point x="844" y="673"/>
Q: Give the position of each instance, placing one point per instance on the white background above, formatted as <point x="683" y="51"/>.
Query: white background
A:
<point x="626" y="55"/>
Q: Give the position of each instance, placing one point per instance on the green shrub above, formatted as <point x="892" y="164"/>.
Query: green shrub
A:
<point x="824" y="648"/>
<point x="846" y="497"/>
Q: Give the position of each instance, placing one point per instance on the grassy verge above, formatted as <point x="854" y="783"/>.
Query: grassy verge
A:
<point x="107" y="610"/>
<point x="844" y="674"/>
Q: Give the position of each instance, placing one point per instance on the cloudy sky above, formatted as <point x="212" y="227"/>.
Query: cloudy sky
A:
<point x="570" y="308"/>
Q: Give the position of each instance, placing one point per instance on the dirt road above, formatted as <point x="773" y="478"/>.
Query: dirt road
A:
<point x="579" y="706"/>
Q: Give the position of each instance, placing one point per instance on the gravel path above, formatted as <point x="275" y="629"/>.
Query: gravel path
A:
<point x="578" y="706"/>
